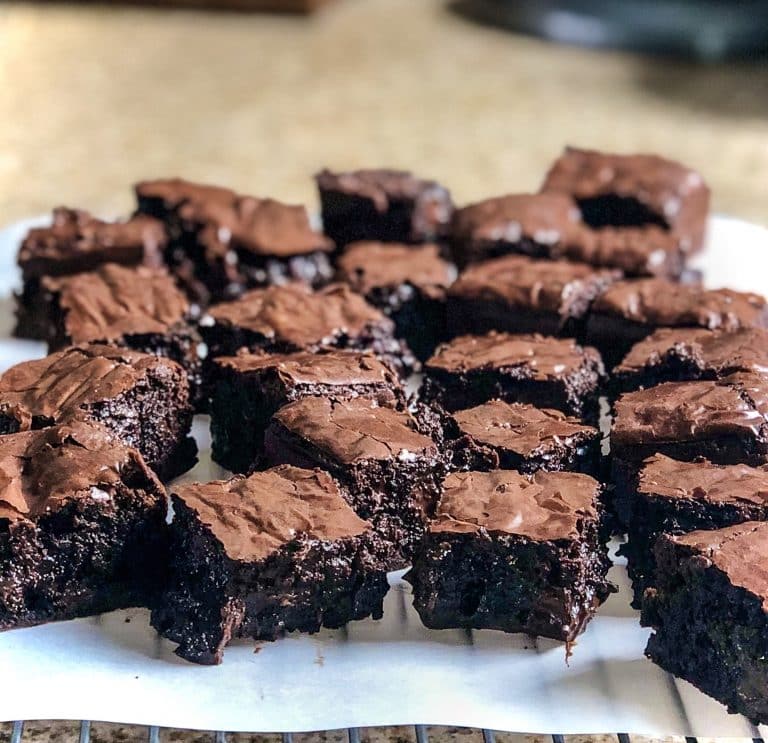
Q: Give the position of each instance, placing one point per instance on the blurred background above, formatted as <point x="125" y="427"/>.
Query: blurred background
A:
<point x="96" y="96"/>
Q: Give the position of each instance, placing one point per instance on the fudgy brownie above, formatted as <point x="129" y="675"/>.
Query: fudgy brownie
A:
<point x="629" y="311"/>
<point x="260" y="556"/>
<point x="406" y="282"/>
<point x="518" y="294"/>
<point x="249" y="388"/>
<point x="140" y="308"/>
<point x="282" y="319"/>
<point x="222" y="243"/>
<point x="678" y="354"/>
<point x="521" y="437"/>
<point x="673" y="497"/>
<point x="77" y="242"/>
<point x="82" y="526"/>
<point x="386" y="205"/>
<point x="389" y="469"/>
<point x="142" y="399"/>
<point x="709" y="612"/>
<point x="634" y="191"/>
<point x="513" y="552"/>
<point x="534" y="369"/>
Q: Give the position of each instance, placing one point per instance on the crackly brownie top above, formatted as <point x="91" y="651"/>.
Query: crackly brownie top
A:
<point x="663" y="477"/>
<point x="524" y="429"/>
<point x="688" y="411"/>
<point x="745" y="349"/>
<point x="543" y="357"/>
<point x="741" y="552"/>
<point x="660" y="302"/>
<point x="179" y="194"/>
<point x="367" y="266"/>
<point x="356" y="430"/>
<point x="519" y="281"/>
<point x="42" y="470"/>
<point x="115" y="301"/>
<point x="61" y="384"/>
<point x="294" y="314"/>
<point x="544" y="506"/>
<point x="75" y="241"/>
<point x="254" y="516"/>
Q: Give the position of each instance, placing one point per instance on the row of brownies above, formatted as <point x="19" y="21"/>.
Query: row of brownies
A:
<point x="521" y="311"/>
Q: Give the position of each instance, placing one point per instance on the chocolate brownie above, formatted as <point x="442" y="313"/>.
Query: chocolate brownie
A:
<point x="675" y="497"/>
<point x="142" y="399"/>
<point x="709" y="613"/>
<point x="249" y="388"/>
<point x="385" y="205"/>
<point x="406" y="282"/>
<point x="82" y="526"/>
<point x="521" y="437"/>
<point x="678" y="354"/>
<point x="77" y="242"/>
<point x="283" y="319"/>
<point x="389" y="469"/>
<point x="260" y="556"/>
<point x="629" y="311"/>
<point x="518" y="294"/>
<point x="535" y="369"/>
<point x="139" y="308"/>
<point x="634" y="191"/>
<point x="222" y="243"/>
<point x="513" y="552"/>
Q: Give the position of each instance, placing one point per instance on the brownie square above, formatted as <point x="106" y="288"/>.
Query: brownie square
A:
<point x="668" y="496"/>
<point x="284" y="319"/>
<point x="260" y="556"/>
<point x="139" y="308"/>
<point x="535" y="369"/>
<point x="77" y="242"/>
<point x="406" y="282"/>
<point x="709" y="613"/>
<point x="384" y="205"/>
<point x="222" y="243"/>
<point x="142" y="399"/>
<point x="629" y="311"/>
<point x="513" y="552"/>
<point x="521" y="437"/>
<point x="249" y="388"/>
<point x="634" y="191"/>
<point x="390" y="470"/>
<point x="82" y="526"/>
<point x="518" y="294"/>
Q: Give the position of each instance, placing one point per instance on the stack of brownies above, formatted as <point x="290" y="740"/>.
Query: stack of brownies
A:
<point x="485" y="474"/>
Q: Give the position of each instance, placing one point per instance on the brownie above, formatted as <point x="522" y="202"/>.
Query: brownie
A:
<point x="406" y="282"/>
<point x="76" y="242"/>
<point x="259" y="556"/>
<point x="390" y="470"/>
<point x="249" y="388"/>
<point x="513" y="552"/>
<point x="141" y="398"/>
<point x="634" y="191"/>
<point x="521" y="437"/>
<point x="222" y="243"/>
<point x="284" y="319"/>
<point x="518" y="294"/>
<point x="629" y="311"/>
<point x="139" y="308"/>
<point x="535" y="369"/>
<point x="82" y="526"/>
<point x="548" y="225"/>
<point x="384" y="205"/>
<point x="709" y="613"/>
<point x="678" y="354"/>
<point x="673" y="497"/>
